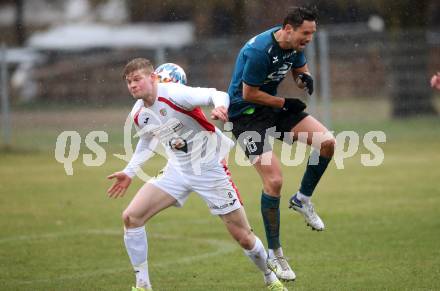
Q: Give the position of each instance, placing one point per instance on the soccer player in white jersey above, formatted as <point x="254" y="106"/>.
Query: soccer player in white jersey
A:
<point x="169" y="113"/>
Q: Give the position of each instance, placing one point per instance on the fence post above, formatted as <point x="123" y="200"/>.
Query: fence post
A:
<point x="6" y="132"/>
<point x="325" y="76"/>
<point x="311" y="63"/>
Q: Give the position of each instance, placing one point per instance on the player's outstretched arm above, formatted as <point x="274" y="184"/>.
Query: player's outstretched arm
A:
<point x="123" y="178"/>
<point x="191" y="97"/>
<point x="121" y="184"/>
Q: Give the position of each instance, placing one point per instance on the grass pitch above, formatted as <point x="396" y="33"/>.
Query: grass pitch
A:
<point x="61" y="232"/>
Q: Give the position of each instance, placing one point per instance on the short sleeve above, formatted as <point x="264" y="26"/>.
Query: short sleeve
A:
<point x="299" y="61"/>
<point x="256" y="67"/>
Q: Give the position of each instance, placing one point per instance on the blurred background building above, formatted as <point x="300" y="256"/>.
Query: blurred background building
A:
<point x="73" y="51"/>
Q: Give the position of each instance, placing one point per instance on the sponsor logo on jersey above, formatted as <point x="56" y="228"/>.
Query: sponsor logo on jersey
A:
<point x="178" y="126"/>
<point x="279" y="74"/>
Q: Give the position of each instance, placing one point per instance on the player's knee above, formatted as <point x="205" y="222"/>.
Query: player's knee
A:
<point x="274" y="184"/>
<point x="126" y="218"/>
<point x="328" y="148"/>
<point x="130" y="220"/>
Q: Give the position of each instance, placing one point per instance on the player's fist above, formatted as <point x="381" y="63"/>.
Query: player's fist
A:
<point x="120" y="185"/>
<point x="294" y="105"/>
<point x="435" y="81"/>
<point x="305" y="81"/>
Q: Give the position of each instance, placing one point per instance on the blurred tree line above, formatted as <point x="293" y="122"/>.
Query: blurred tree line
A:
<point x="402" y="18"/>
<point x="219" y="18"/>
<point x="216" y="18"/>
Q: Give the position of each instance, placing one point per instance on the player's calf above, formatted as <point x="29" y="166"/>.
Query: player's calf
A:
<point x="238" y="226"/>
<point x="244" y="237"/>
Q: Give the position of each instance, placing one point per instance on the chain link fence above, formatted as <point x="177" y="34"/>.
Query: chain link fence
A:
<point x="369" y="72"/>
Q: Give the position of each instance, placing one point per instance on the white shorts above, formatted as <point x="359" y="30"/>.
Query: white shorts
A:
<point x="215" y="186"/>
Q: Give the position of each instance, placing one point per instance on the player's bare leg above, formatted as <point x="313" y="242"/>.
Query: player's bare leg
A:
<point x="323" y="143"/>
<point x="269" y="169"/>
<point x="238" y="226"/>
<point x="148" y="201"/>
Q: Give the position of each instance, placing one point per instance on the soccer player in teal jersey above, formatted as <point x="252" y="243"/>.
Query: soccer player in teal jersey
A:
<point x="261" y="65"/>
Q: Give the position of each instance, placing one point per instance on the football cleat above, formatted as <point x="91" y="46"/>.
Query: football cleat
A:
<point x="281" y="268"/>
<point x="306" y="209"/>
<point x="276" y="286"/>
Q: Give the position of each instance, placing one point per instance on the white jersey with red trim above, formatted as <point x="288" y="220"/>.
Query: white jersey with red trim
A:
<point x="176" y="121"/>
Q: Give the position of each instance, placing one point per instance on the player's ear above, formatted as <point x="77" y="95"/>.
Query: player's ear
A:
<point x="288" y="27"/>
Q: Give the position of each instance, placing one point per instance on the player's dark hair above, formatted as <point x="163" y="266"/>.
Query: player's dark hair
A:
<point x="137" y="64"/>
<point x="297" y="15"/>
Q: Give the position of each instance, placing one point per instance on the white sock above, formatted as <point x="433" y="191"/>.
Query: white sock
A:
<point x="258" y="255"/>
<point x="303" y="198"/>
<point x="137" y="248"/>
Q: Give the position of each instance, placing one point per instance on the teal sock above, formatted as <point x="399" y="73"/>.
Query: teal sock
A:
<point x="270" y="210"/>
<point x="313" y="174"/>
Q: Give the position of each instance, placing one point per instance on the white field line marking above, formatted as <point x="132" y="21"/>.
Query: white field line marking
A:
<point x="55" y="235"/>
<point x="61" y="234"/>
<point x="222" y="247"/>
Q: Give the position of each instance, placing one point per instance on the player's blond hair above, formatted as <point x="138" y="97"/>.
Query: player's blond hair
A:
<point x="137" y="64"/>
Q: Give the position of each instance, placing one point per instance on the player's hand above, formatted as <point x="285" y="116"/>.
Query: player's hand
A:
<point x="435" y="81"/>
<point x="119" y="186"/>
<point x="305" y="80"/>
<point x="294" y="105"/>
<point x="220" y="113"/>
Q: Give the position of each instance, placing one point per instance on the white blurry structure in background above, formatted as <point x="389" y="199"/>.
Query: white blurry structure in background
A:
<point x="21" y="80"/>
<point x="112" y="11"/>
<point x="82" y="36"/>
<point x="376" y="23"/>
<point x="77" y="10"/>
<point x="44" y="13"/>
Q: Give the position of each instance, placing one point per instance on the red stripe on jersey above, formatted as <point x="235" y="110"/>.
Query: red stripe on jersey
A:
<point x="225" y="167"/>
<point x="136" y="117"/>
<point x="196" y="114"/>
